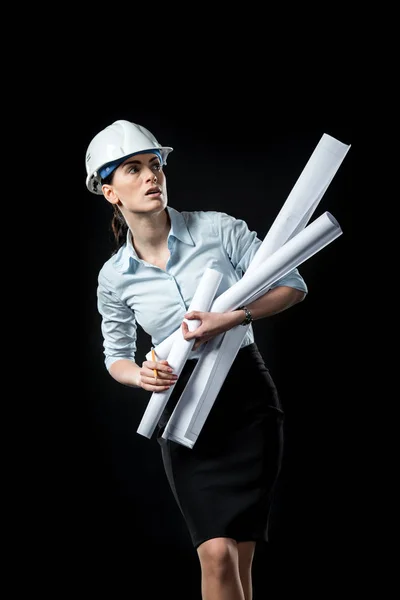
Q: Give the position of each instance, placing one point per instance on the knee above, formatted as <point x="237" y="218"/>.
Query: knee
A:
<point x="218" y="557"/>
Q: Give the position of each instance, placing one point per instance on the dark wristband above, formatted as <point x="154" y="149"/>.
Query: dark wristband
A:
<point x="248" y="318"/>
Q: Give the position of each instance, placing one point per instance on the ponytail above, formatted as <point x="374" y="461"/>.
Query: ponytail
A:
<point x="119" y="228"/>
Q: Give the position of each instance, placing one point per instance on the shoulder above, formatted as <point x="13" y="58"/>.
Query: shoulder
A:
<point x="112" y="267"/>
<point x="206" y="217"/>
<point x="199" y="215"/>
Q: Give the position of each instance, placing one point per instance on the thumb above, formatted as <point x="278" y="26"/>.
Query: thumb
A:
<point x="186" y="332"/>
<point x="192" y="322"/>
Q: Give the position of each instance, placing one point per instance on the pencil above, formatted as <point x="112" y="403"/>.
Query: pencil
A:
<point x="153" y="357"/>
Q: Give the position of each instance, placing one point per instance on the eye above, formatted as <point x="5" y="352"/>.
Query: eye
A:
<point x="132" y="169"/>
<point x="157" y="167"/>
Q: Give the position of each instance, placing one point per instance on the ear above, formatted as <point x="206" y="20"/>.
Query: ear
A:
<point x="109" y="194"/>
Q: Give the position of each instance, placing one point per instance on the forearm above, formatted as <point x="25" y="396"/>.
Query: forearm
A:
<point x="126" y="372"/>
<point x="275" y="301"/>
<point x="212" y="323"/>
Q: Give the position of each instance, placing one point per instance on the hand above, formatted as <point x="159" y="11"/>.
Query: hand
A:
<point x="210" y="325"/>
<point x="156" y="376"/>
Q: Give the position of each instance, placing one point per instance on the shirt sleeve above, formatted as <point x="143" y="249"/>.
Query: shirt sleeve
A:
<point x="239" y="242"/>
<point x="118" y="325"/>
<point x="242" y="244"/>
<point x="293" y="280"/>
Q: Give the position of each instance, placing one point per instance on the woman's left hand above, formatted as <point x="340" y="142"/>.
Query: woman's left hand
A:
<point x="210" y="325"/>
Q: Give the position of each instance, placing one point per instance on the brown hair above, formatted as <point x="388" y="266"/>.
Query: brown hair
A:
<point x="118" y="223"/>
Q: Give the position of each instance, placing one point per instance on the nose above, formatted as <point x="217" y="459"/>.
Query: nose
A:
<point x="151" y="176"/>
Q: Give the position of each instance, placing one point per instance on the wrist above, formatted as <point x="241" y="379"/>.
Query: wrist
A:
<point x="247" y="316"/>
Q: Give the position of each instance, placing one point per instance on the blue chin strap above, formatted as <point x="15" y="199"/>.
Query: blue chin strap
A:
<point x="106" y="170"/>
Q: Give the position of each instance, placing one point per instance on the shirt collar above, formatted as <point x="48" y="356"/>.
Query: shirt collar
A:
<point x="179" y="230"/>
<point x="178" y="227"/>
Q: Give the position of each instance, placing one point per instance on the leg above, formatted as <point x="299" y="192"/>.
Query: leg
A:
<point x="246" y="554"/>
<point x="220" y="578"/>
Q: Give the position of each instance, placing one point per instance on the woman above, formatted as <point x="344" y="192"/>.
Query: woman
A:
<point x="224" y="485"/>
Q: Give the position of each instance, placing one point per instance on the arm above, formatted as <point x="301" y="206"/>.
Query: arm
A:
<point x="241" y="245"/>
<point x="271" y="303"/>
<point x="118" y="327"/>
<point x="125" y="371"/>
<point x="275" y="301"/>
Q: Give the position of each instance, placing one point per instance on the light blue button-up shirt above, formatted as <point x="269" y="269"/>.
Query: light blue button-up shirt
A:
<point x="133" y="292"/>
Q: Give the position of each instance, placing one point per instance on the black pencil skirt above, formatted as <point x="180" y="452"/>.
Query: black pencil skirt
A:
<point x="224" y="485"/>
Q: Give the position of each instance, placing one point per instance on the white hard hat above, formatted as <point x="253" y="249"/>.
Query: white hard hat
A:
<point x="113" y="145"/>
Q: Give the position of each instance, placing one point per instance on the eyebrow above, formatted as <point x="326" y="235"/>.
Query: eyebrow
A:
<point x="139" y="162"/>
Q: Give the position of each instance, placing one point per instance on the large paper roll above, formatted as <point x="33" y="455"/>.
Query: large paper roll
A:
<point x="275" y="258"/>
<point x="295" y="213"/>
<point x="180" y="351"/>
<point x="209" y="374"/>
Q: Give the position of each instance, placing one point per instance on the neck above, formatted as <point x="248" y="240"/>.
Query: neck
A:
<point x="150" y="233"/>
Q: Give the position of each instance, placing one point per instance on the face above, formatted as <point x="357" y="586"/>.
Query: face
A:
<point x="138" y="185"/>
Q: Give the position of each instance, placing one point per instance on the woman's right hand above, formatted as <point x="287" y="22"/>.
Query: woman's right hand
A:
<point x="156" y="376"/>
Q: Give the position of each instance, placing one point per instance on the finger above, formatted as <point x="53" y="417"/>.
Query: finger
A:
<point x="161" y="366"/>
<point x="160" y="386"/>
<point x="163" y="379"/>
<point x="199" y="343"/>
<point x="194" y="314"/>
<point x="185" y="329"/>
<point x="153" y="385"/>
<point x="188" y="335"/>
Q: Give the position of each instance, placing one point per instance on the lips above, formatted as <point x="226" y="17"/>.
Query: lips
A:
<point x="153" y="190"/>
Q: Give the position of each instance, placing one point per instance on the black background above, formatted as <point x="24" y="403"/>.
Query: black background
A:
<point x="244" y="162"/>
<point x="111" y="523"/>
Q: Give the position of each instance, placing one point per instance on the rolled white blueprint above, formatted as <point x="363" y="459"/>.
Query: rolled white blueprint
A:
<point x="299" y="248"/>
<point x="218" y="355"/>
<point x="305" y="196"/>
<point x="165" y="346"/>
<point x="202" y="388"/>
<point x="180" y="350"/>
<point x="295" y="212"/>
<point x="209" y="374"/>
